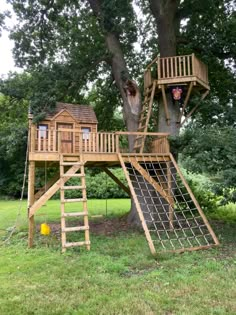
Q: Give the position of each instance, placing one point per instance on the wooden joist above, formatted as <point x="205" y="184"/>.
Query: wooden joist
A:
<point x="116" y="180"/>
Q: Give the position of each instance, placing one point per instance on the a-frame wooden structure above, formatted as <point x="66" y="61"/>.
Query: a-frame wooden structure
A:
<point x="170" y="215"/>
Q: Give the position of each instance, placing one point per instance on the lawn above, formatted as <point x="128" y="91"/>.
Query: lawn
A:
<point x="118" y="275"/>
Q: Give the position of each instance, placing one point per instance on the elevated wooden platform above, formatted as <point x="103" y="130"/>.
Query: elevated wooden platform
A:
<point x="177" y="70"/>
<point x="98" y="149"/>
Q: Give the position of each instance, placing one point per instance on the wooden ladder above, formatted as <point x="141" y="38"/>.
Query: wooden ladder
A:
<point x="84" y="213"/>
<point x="144" y="118"/>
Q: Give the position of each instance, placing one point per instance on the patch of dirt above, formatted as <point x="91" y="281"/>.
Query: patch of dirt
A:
<point x="101" y="226"/>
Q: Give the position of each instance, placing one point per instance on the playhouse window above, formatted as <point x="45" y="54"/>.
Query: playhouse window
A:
<point x="86" y="131"/>
<point x="43" y="131"/>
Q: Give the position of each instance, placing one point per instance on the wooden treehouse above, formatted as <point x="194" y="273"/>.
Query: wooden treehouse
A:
<point x="69" y="142"/>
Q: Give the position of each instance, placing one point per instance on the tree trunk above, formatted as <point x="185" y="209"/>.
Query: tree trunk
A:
<point x="131" y="101"/>
<point x="165" y="14"/>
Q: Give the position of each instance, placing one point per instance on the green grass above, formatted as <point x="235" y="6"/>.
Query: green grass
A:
<point x="118" y="275"/>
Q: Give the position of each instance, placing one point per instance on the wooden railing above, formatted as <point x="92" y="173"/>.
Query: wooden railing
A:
<point x="76" y="142"/>
<point x="177" y="67"/>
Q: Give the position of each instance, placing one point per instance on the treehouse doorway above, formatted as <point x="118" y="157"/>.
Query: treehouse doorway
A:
<point x="66" y="138"/>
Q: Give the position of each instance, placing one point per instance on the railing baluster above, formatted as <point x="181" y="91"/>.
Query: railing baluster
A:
<point x="109" y="143"/>
<point x="176" y="67"/>
<point x="184" y="65"/>
<point x="167" y="68"/>
<point x="39" y="140"/>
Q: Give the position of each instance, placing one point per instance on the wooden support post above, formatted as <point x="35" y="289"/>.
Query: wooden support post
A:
<point x="165" y="104"/>
<point x="195" y="201"/>
<point x="171" y="211"/>
<point x="116" y="180"/>
<point x="150" y="180"/>
<point x="195" y="107"/>
<point x="31" y="183"/>
<point x="185" y="102"/>
<point x="138" y="207"/>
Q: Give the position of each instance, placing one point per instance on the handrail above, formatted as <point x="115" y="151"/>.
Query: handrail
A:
<point x="174" y="68"/>
<point x="75" y="141"/>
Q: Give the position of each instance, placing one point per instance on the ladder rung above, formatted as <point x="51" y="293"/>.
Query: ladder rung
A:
<point x="73" y="200"/>
<point x="143" y="111"/>
<point x="73" y="175"/>
<point x="72" y="163"/>
<point x="72" y="244"/>
<point x="138" y="138"/>
<point x="72" y="187"/>
<point x="75" y="228"/>
<point x="141" y="128"/>
<point x="142" y="118"/>
<point x="74" y="214"/>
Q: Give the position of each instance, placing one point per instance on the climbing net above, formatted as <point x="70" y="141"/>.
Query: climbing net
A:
<point x="173" y="217"/>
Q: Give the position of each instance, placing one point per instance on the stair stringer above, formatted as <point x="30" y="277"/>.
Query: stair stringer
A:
<point x="166" y="224"/>
<point x="144" y="118"/>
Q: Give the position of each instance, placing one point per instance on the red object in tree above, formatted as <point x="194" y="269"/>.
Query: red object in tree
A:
<point x="177" y="93"/>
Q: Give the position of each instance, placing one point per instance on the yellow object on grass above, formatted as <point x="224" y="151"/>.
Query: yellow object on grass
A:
<point x="45" y="229"/>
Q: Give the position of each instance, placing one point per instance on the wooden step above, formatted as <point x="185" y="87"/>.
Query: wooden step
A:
<point x="74" y="214"/>
<point x="73" y="244"/>
<point x="74" y="200"/>
<point x="142" y="118"/>
<point x="73" y="187"/>
<point x="75" y="228"/>
<point x="73" y="175"/>
<point x="143" y="111"/>
<point x="141" y="128"/>
<point x="138" y="146"/>
<point x="139" y="137"/>
<point x="72" y="163"/>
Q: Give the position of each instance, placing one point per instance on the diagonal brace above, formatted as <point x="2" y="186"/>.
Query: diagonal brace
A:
<point x="149" y="179"/>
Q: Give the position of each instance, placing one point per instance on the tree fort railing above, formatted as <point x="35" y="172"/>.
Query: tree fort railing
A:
<point x="175" y="69"/>
<point x="74" y="141"/>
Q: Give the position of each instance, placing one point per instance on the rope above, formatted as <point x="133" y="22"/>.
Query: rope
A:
<point x="174" y="225"/>
<point x="22" y="192"/>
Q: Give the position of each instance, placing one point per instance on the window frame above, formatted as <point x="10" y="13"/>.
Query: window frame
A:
<point x="43" y="133"/>
<point x="86" y="135"/>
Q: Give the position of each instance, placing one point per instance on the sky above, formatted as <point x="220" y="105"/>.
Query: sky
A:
<point x="6" y="45"/>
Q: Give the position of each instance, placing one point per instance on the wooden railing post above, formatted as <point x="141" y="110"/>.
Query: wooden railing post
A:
<point x="117" y="143"/>
<point x="193" y="64"/>
<point x="59" y="141"/>
<point x="32" y="137"/>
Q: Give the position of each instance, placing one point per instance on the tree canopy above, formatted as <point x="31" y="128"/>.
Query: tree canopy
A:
<point x="84" y="52"/>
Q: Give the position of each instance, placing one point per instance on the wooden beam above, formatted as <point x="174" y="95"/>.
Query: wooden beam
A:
<point x="171" y="210"/>
<point x="43" y="189"/>
<point x="138" y="207"/>
<point x="195" y="201"/>
<point x="186" y="101"/>
<point x="165" y="104"/>
<point x="116" y="179"/>
<point x="151" y="181"/>
<point x="31" y="183"/>
<point x="194" y="109"/>
<point x="52" y="190"/>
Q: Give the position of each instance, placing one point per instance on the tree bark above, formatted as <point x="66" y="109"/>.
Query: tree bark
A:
<point x="167" y="22"/>
<point x="131" y="103"/>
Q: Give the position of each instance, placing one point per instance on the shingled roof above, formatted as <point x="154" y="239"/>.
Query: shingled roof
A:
<point x="82" y="113"/>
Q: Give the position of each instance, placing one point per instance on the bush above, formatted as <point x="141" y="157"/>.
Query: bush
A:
<point x="201" y="187"/>
<point x="98" y="185"/>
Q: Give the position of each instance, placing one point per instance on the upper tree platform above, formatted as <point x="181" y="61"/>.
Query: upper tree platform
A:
<point x="177" y="70"/>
